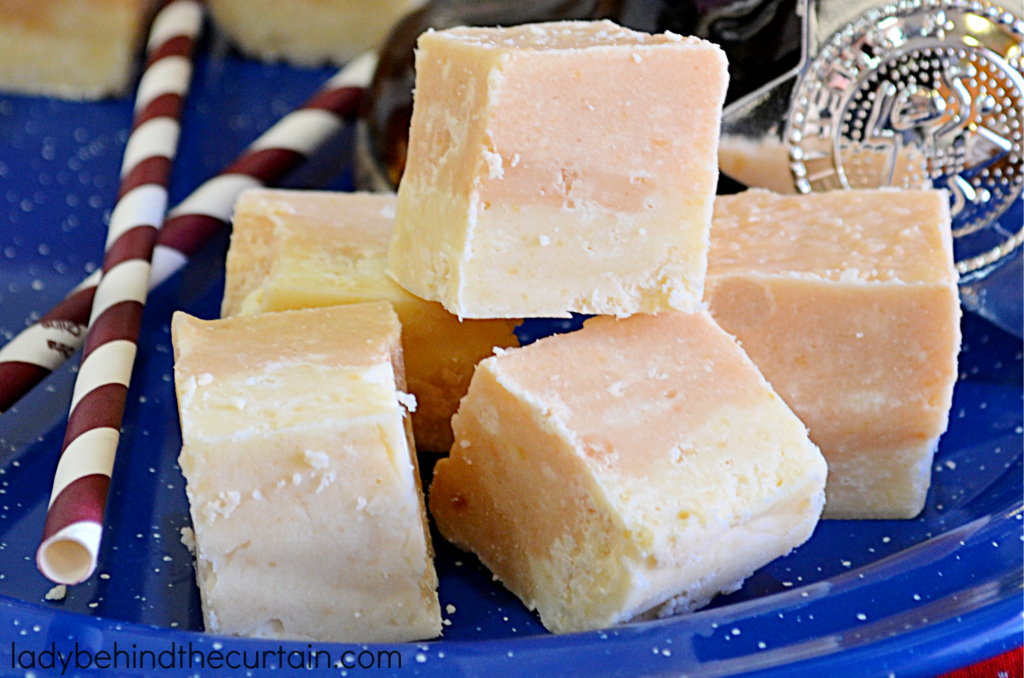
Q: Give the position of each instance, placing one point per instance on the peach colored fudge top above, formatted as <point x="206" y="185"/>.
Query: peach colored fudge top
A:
<point x="870" y="238"/>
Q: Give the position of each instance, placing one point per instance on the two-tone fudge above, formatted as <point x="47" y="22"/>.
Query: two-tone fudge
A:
<point x="559" y="167"/>
<point x="301" y="476"/>
<point x="635" y="467"/>
<point x="305" y="249"/>
<point x="848" y="303"/>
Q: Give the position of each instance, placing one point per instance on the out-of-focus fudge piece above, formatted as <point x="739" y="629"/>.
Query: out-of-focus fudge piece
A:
<point x="636" y="466"/>
<point x="302" y="483"/>
<point x="765" y="163"/>
<point x="762" y="162"/>
<point x="305" y="249"/>
<point x="848" y="303"/>
<point x="77" y="49"/>
<point x="559" y="167"/>
<point x="308" y="32"/>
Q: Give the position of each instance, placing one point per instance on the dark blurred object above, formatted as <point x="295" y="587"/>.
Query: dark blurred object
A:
<point x="760" y="37"/>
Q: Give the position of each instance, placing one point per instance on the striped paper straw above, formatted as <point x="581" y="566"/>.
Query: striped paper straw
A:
<point x="71" y="535"/>
<point x="44" y="346"/>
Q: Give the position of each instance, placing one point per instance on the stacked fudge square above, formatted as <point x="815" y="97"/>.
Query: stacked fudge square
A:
<point x="619" y="470"/>
<point x="634" y="468"/>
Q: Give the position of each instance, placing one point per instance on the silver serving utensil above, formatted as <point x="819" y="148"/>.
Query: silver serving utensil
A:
<point x="913" y="94"/>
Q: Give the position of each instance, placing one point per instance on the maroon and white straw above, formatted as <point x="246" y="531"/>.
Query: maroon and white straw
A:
<point x="71" y="535"/>
<point x="44" y="346"/>
<point x="267" y="160"/>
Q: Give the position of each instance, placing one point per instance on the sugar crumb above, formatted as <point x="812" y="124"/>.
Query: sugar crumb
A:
<point x="223" y="505"/>
<point x="325" y="480"/>
<point x="57" y="592"/>
<point x="188" y="538"/>
<point x="407" y="400"/>
<point x="316" y="460"/>
<point x="850" y="275"/>
<point x="495" y="170"/>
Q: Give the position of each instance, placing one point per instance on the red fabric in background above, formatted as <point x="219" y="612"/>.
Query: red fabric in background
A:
<point x="1009" y="665"/>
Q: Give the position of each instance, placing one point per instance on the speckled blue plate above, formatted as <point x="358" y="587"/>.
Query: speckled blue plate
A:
<point x="903" y="598"/>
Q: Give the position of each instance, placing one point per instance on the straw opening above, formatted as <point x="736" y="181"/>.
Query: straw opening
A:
<point x="66" y="561"/>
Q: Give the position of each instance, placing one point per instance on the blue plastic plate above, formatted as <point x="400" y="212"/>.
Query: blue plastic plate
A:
<point x="903" y="598"/>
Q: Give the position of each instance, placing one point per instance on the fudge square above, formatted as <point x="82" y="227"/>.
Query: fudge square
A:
<point x="848" y="303"/>
<point x="301" y="479"/>
<point x="559" y="167"/>
<point x="635" y="466"/>
<point x="308" y="32"/>
<point x="305" y="249"/>
<point x="76" y="49"/>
